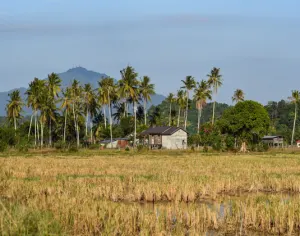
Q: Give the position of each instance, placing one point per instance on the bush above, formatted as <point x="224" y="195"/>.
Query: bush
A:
<point x="263" y="147"/>
<point x="3" y="146"/>
<point x="60" y="145"/>
<point x="127" y="149"/>
<point x="229" y="142"/>
<point x="73" y="148"/>
<point x="94" y="146"/>
<point x="205" y="149"/>
<point x="141" y="148"/>
<point x="23" y="146"/>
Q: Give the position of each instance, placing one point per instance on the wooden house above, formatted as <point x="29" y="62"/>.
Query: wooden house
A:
<point x="168" y="137"/>
<point x="273" y="141"/>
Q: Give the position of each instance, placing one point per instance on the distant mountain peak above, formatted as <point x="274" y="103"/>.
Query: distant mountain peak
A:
<point x="78" y="69"/>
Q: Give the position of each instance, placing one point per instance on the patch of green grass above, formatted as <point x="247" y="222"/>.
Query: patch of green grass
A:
<point x="32" y="178"/>
<point x="77" y="176"/>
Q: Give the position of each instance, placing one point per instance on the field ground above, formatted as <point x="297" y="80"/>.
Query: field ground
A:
<point x="150" y="193"/>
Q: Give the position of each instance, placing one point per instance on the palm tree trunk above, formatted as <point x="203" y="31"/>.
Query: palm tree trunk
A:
<point x="134" y="136"/>
<point x="294" y="126"/>
<point x="42" y="135"/>
<point x="145" y="111"/>
<point x="187" y="108"/>
<point x="38" y="131"/>
<point x="77" y="130"/>
<point x="199" y="117"/>
<point x="178" y="120"/>
<point x="110" y="122"/>
<point x="213" y="117"/>
<point x="35" y="129"/>
<point x="76" y="126"/>
<point x="86" y="122"/>
<point x="65" y="127"/>
<point x="30" y="125"/>
<point x="50" y="132"/>
<point x="104" y="114"/>
<point x="91" y="128"/>
<point x="170" y="114"/>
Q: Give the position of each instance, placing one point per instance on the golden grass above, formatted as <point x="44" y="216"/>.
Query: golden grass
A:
<point x="95" y="192"/>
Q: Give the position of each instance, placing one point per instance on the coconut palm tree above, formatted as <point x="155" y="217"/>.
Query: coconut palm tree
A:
<point x="14" y="107"/>
<point x="127" y="85"/>
<point x="88" y="99"/>
<point x="53" y="84"/>
<point x="66" y="105"/>
<point x="215" y="81"/>
<point x="146" y="89"/>
<point x="201" y="94"/>
<point x="180" y="99"/>
<point x="238" y="96"/>
<point x="170" y="100"/>
<point x="76" y="93"/>
<point x="189" y="84"/>
<point x="34" y="101"/>
<point x="129" y="88"/>
<point x="94" y="106"/>
<point x="107" y="89"/>
<point x="102" y="100"/>
<point x="295" y="98"/>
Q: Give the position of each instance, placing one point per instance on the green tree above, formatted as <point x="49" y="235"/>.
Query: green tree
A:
<point x="14" y="107"/>
<point x="170" y="100"/>
<point x="88" y="99"/>
<point x="180" y="99"/>
<point x="66" y="106"/>
<point x="215" y="81"/>
<point x="76" y="97"/>
<point x="247" y="121"/>
<point x="53" y="84"/>
<point x="189" y="84"/>
<point x="295" y="98"/>
<point x="201" y="94"/>
<point x="238" y="96"/>
<point x="146" y="90"/>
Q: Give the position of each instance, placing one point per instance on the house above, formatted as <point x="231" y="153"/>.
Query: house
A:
<point x="298" y="143"/>
<point x="274" y="141"/>
<point x="168" y="137"/>
<point x="116" y="143"/>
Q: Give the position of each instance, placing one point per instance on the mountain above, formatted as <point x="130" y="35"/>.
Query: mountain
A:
<point x="83" y="75"/>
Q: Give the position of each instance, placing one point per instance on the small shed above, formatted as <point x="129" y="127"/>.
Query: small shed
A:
<point x="274" y="141"/>
<point x="168" y="137"/>
<point x="116" y="143"/>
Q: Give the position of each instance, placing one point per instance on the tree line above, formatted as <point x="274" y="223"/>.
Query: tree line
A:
<point x="82" y="113"/>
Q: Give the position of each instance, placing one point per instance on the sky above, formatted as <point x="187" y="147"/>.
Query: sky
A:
<point x="254" y="42"/>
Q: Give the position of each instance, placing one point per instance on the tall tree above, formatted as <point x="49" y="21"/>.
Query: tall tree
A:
<point x="180" y="99"/>
<point x="66" y="105"/>
<point x="88" y="99"/>
<point x="53" y="84"/>
<point x="14" y="107"/>
<point x="170" y="100"/>
<point x="146" y="89"/>
<point x="76" y="93"/>
<point x="201" y="95"/>
<point x="189" y="84"/>
<point x="295" y="98"/>
<point x="238" y="96"/>
<point x="129" y="88"/>
<point x="127" y="85"/>
<point x="107" y="89"/>
<point x="215" y="81"/>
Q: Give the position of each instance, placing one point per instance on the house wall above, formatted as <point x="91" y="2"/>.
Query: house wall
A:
<point x="114" y="145"/>
<point x="174" y="141"/>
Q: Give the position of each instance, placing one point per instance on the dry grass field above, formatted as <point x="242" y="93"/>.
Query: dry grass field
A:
<point x="150" y="193"/>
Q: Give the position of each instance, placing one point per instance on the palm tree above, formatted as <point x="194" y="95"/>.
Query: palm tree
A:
<point x="34" y="102"/>
<point x="127" y="85"/>
<point x="238" y="96"/>
<point x="189" y="84"/>
<point x="107" y="89"/>
<point x="102" y="100"/>
<point x="170" y="100"/>
<point x="88" y="97"/>
<point x="76" y="92"/>
<point x="201" y="95"/>
<point x="129" y="88"/>
<point x="215" y="81"/>
<point x="180" y="102"/>
<point x="295" y="98"/>
<point x="53" y="83"/>
<point x="146" y="90"/>
<point x="14" y="107"/>
<point x="94" y="106"/>
<point x="66" y="105"/>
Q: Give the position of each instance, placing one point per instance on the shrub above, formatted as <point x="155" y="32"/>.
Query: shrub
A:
<point x="73" y="148"/>
<point x="60" y="145"/>
<point x="141" y="148"/>
<point x="94" y="146"/>
<point x="127" y="149"/>
<point x="23" y="146"/>
<point x="205" y="149"/>
<point x="3" y="146"/>
<point x="229" y="142"/>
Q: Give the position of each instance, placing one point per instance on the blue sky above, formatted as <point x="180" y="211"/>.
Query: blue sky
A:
<point x="254" y="42"/>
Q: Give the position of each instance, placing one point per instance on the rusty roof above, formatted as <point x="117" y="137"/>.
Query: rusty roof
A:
<point x="161" y="130"/>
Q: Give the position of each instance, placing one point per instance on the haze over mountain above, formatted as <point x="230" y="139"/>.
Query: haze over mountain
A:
<point x="83" y="75"/>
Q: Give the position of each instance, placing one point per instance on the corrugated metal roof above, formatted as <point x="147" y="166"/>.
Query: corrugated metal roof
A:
<point x="161" y="130"/>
